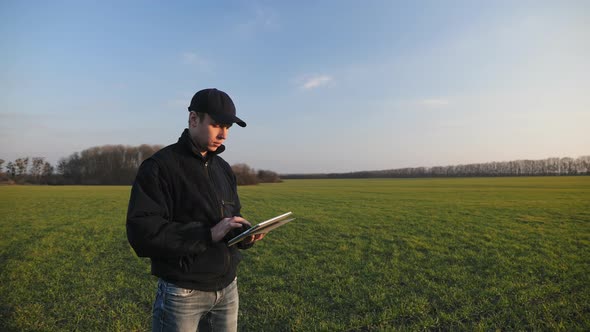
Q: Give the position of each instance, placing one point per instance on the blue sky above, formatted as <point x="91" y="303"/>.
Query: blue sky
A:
<point x="326" y="86"/>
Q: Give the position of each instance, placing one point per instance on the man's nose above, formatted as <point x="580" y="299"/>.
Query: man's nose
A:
<point x="222" y="133"/>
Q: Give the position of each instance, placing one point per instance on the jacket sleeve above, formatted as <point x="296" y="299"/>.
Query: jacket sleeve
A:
<point x="149" y="230"/>
<point x="237" y="232"/>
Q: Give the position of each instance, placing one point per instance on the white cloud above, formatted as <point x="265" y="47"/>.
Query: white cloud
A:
<point x="266" y="17"/>
<point x="260" y="19"/>
<point x="316" y="81"/>
<point x="193" y="59"/>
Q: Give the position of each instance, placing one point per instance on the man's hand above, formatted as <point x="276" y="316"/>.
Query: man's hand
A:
<point x="254" y="238"/>
<point x="225" y="225"/>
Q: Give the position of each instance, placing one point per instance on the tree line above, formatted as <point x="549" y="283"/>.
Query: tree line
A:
<point x="118" y="164"/>
<point x="542" y="167"/>
<point x="102" y="165"/>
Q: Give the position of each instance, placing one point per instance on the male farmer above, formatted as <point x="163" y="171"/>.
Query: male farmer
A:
<point x="183" y="209"/>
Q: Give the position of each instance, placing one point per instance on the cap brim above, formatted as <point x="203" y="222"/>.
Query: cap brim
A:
<point x="227" y="119"/>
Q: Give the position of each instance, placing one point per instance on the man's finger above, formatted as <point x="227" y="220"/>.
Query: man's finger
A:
<point x="258" y="237"/>
<point x="241" y="220"/>
<point x="235" y="224"/>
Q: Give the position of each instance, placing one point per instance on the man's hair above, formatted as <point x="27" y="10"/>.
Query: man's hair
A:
<point x="200" y="115"/>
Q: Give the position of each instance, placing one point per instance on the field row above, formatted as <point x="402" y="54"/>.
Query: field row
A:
<point x="396" y="254"/>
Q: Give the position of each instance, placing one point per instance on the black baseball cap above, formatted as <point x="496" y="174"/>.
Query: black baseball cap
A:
<point x="217" y="104"/>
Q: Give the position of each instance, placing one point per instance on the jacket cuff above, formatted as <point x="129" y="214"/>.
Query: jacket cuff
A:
<point x="201" y="240"/>
<point x="208" y="236"/>
<point x="242" y="245"/>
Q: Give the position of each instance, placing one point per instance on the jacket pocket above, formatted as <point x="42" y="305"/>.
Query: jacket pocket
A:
<point x="228" y="208"/>
<point x="211" y="262"/>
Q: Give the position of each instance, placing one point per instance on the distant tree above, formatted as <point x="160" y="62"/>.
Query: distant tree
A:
<point x="266" y="176"/>
<point x="47" y="169"/>
<point x="62" y="164"/>
<point x="11" y="169"/>
<point x="245" y="175"/>
<point x="47" y="173"/>
<point x="4" y="177"/>
<point x="37" y="168"/>
<point x="567" y="166"/>
<point x="583" y="165"/>
<point x="71" y="169"/>
<point x="21" y="166"/>
<point x="145" y="151"/>
<point x="549" y="166"/>
<point x="108" y="164"/>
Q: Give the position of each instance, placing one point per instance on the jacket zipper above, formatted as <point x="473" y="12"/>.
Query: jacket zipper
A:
<point x="223" y="203"/>
<point x="209" y="177"/>
<point x="214" y="192"/>
<point x="226" y="256"/>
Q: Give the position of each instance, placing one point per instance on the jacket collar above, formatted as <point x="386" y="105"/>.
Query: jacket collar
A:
<point x="186" y="140"/>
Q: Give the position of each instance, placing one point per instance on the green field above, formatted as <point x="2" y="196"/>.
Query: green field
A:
<point x="363" y="255"/>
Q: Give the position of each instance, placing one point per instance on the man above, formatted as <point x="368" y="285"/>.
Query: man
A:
<point x="183" y="209"/>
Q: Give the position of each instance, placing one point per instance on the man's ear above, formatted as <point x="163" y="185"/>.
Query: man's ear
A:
<point x="193" y="119"/>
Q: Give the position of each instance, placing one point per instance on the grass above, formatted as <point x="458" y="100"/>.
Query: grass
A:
<point x="363" y="255"/>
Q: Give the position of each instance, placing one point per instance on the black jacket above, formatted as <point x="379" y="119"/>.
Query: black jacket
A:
<point x="177" y="196"/>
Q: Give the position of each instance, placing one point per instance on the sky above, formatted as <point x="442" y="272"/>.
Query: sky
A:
<point x="324" y="86"/>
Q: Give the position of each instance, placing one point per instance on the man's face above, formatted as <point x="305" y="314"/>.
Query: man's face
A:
<point x="207" y="134"/>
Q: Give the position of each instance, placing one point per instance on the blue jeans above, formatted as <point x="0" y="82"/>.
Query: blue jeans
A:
<point x="180" y="309"/>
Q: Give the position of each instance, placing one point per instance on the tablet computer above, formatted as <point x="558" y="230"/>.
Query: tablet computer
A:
<point x="263" y="227"/>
